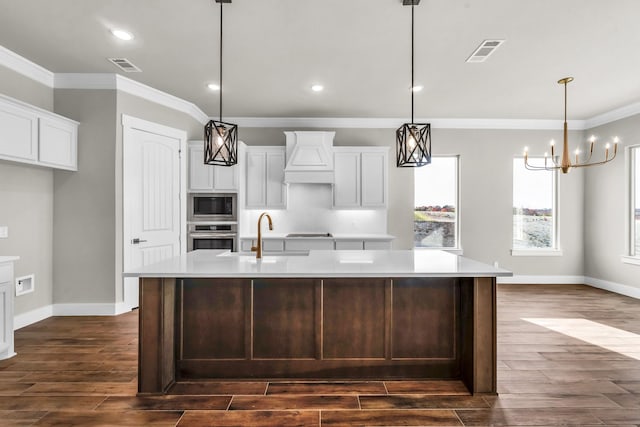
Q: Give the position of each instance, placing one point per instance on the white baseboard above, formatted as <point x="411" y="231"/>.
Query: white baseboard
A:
<point x="33" y="316"/>
<point x="618" y="288"/>
<point x="542" y="280"/>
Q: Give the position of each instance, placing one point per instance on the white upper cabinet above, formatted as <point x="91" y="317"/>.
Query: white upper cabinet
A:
<point x="208" y="178"/>
<point x="58" y="144"/>
<point x="360" y="177"/>
<point x="265" y="178"/>
<point x="32" y="135"/>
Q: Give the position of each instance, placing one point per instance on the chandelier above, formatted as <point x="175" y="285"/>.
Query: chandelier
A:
<point x="220" y="138"/>
<point x="551" y="163"/>
<point x="413" y="140"/>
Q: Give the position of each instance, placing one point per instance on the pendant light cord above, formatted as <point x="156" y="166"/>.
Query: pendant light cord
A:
<point x="221" y="61"/>
<point x="412" y="65"/>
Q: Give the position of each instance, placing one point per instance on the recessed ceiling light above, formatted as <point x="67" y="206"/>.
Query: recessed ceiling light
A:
<point x="122" y="34"/>
<point x="213" y="86"/>
<point x="417" y="88"/>
<point x="317" y="88"/>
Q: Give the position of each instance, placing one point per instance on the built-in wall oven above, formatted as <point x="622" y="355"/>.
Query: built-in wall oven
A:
<point x="212" y="236"/>
<point x="212" y="207"/>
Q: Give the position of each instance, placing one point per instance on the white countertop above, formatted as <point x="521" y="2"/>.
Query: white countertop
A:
<point x="382" y="263"/>
<point x="4" y="259"/>
<point x="337" y="236"/>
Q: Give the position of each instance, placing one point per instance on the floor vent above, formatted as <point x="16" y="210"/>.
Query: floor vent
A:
<point x="485" y="50"/>
<point x="125" y="65"/>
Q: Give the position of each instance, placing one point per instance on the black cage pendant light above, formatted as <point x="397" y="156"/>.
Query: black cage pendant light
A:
<point x="413" y="140"/>
<point x="220" y="138"/>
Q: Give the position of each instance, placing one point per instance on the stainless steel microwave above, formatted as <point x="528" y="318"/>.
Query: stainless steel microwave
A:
<point x="212" y="207"/>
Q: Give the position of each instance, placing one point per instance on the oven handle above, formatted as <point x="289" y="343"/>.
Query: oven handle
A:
<point x="212" y="235"/>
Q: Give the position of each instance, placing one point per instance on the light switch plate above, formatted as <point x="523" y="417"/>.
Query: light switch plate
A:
<point x="4" y="232"/>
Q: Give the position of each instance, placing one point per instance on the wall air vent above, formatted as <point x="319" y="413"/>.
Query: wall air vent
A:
<point x="125" y="65"/>
<point x="485" y="50"/>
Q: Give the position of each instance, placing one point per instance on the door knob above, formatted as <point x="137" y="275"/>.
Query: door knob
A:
<point x="137" y="241"/>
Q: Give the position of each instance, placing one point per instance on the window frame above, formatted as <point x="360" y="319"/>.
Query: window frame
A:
<point x="456" y="249"/>
<point x="632" y="171"/>
<point x="555" y="248"/>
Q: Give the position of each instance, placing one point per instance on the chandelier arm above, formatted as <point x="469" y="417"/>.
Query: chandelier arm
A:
<point x="582" y="165"/>
<point x="529" y="166"/>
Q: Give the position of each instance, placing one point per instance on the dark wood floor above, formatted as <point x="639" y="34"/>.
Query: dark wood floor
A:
<point x="568" y="355"/>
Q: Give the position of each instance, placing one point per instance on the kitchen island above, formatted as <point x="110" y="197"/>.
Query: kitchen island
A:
<point x="330" y="315"/>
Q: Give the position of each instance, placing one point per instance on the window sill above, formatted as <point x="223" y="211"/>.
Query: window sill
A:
<point x="536" y="252"/>
<point x="631" y="259"/>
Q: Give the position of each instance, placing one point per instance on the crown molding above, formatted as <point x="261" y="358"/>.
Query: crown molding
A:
<point x="112" y="81"/>
<point x="613" y="115"/>
<point x="394" y="123"/>
<point x="23" y="66"/>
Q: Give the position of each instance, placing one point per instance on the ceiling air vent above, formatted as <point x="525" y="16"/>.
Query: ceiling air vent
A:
<point x="125" y="65"/>
<point x="485" y="49"/>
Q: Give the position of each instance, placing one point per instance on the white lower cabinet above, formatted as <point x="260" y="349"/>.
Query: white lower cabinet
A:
<point x="36" y="136"/>
<point x="371" y="245"/>
<point x="268" y="245"/>
<point x="6" y="310"/>
<point x="349" y="245"/>
<point x="298" y="245"/>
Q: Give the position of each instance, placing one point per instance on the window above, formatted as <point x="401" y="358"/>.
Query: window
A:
<point x="435" y="222"/>
<point x="534" y="208"/>
<point x="634" y="245"/>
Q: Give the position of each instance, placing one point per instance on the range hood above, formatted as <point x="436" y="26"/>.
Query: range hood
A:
<point x="309" y="158"/>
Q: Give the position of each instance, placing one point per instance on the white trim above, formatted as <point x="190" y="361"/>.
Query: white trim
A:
<point x="122" y="307"/>
<point x="23" y="66"/>
<point x="152" y="127"/>
<point x="536" y="252"/>
<point x="31" y="317"/>
<point x="618" y="288"/>
<point x="542" y="280"/>
<point x="613" y="115"/>
<point x="84" y="309"/>
<point x="101" y="81"/>
<point x="631" y="260"/>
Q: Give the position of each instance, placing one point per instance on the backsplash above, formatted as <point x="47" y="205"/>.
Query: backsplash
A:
<point x="309" y="209"/>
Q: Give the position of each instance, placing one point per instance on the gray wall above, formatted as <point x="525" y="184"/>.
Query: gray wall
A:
<point x="605" y="209"/>
<point x="26" y="203"/>
<point x="486" y="158"/>
<point x="84" y="202"/>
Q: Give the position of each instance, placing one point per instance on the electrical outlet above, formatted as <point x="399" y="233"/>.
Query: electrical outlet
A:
<point x="4" y="232"/>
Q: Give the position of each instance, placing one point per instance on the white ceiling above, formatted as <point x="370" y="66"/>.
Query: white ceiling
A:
<point x="358" y="49"/>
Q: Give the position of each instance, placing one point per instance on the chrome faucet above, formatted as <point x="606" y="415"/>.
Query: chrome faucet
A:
<point x="258" y="248"/>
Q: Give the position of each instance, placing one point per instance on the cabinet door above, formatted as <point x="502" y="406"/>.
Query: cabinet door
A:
<point x="349" y="245"/>
<point x="5" y="323"/>
<point x="374" y="179"/>
<point x="346" y="188"/>
<point x="276" y="190"/>
<point x="256" y="182"/>
<point x="377" y="244"/>
<point x="58" y="143"/>
<point x="308" y="244"/>
<point x="200" y="175"/>
<point x="18" y="133"/>
<point x="225" y="178"/>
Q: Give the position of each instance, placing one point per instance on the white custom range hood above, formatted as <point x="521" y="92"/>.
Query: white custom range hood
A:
<point x="309" y="158"/>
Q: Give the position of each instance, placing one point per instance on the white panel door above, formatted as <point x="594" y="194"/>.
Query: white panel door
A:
<point x="276" y="190"/>
<point x="151" y="198"/>
<point x="346" y="188"/>
<point x="200" y="175"/>
<point x="374" y="179"/>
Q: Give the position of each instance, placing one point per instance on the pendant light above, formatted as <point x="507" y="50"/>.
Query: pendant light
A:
<point x="565" y="164"/>
<point x="413" y="140"/>
<point x="220" y="138"/>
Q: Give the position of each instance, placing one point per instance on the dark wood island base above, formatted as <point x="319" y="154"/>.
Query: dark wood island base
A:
<point x="317" y="329"/>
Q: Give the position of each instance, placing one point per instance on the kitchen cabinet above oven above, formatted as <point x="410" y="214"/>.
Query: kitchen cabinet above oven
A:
<point x="208" y="178"/>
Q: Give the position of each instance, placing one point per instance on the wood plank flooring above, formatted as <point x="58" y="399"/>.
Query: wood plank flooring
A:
<point x="568" y="355"/>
